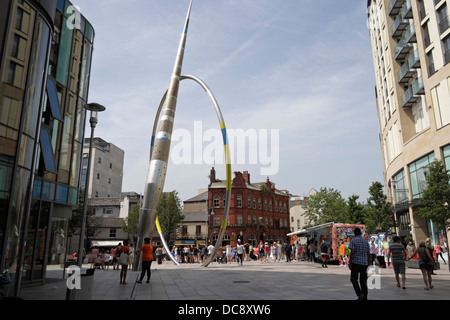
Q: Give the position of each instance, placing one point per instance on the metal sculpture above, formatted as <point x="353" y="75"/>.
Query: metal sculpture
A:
<point x="159" y="155"/>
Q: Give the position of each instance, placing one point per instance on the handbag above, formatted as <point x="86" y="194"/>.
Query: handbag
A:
<point x="123" y="258"/>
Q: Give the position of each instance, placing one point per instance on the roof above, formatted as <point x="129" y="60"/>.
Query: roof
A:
<point x="254" y="186"/>
<point x="198" y="198"/>
<point x="193" y="216"/>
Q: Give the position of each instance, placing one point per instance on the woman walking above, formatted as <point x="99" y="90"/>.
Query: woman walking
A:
<point x="426" y="264"/>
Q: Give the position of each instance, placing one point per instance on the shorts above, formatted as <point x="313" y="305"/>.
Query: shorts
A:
<point x="399" y="267"/>
<point x="426" y="266"/>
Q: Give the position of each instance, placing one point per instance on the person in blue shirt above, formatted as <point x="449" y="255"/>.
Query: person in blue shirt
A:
<point x="358" y="264"/>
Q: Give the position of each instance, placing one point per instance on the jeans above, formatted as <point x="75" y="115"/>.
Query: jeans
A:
<point x="359" y="271"/>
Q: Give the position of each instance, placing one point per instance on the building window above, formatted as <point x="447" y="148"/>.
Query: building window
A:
<point x="224" y="201"/>
<point x="239" y="201"/>
<point x="446" y="49"/>
<point x="99" y="160"/>
<point x="107" y="211"/>
<point x="112" y="233"/>
<point x="254" y="203"/>
<point x="417" y="173"/>
<point x="216" y="202"/>
<point x="249" y="202"/>
<point x="276" y="206"/>
<point x="239" y="219"/>
<point x="249" y="220"/>
<point x="259" y="204"/>
<point x="265" y="205"/>
<point x="446" y="155"/>
<point x="216" y="220"/>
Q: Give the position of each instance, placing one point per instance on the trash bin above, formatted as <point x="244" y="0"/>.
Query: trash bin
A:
<point x="86" y="287"/>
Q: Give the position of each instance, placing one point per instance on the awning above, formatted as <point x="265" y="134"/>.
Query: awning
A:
<point x="105" y="243"/>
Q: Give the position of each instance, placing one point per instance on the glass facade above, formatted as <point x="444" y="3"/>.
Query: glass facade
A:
<point x="44" y="75"/>
<point x="417" y="175"/>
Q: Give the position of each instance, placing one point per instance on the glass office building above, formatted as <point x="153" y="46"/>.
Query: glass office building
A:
<point x="46" y="48"/>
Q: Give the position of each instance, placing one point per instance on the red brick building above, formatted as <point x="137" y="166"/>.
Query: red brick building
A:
<point x="258" y="211"/>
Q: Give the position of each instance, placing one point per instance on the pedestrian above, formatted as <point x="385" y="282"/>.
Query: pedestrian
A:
<point x="116" y="253"/>
<point x="260" y="249"/>
<point x="426" y="264"/>
<point x="410" y="249"/>
<point x="106" y="260"/>
<point x="131" y="257"/>
<point x="358" y="264"/>
<point x="399" y="255"/>
<point x="439" y="250"/>
<point x="431" y="249"/>
<point x="324" y="254"/>
<point x="159" y="254"/>
<point x="266" y="252"/>
<point x="343" y="259"/>
<point x="373" y="251"/>
<point x="287" y="251"/>
<point x="240" y="252"/>
<point x="279" y="251"/>
<point x="123" y="261"/>
<point x="94" y="255"/>
<point x="147" y="259"/>
<point x="312" y="250"/>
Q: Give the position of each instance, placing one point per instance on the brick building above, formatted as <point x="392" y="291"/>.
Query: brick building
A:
<point x="258" y="211"/>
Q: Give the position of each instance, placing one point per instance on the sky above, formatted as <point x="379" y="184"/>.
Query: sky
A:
<point x="295" y="76"/>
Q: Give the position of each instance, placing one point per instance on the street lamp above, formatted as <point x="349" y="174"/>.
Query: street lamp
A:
<point x="94" y="109"/>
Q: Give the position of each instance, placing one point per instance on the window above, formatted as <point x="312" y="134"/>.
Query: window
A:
<point x="239" y="201"/>
<point x="224" y="201"/>
<point x="417" y="172"/>
<point x="216" y="221"/>
<point x="446" y="154"/>
<point x="276" y="206"/>
<point x="239" y="219"/>
<point x="216" y="202"/>
<point x="446" y="49"/>
<point x="254" y="203"/>
<point x="259" y="204"/>
<point x="99" y="160"/>
<point x="107" y="210"/>
<point x="112" y="233"/>
<point x="400" y="191"/>
<point x="249" y="202"/>
<point x="47" y="150"/>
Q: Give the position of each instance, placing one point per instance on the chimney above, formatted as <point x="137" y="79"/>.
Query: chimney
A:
<point x="246" y="177"/>
<point x="212" y="176"/>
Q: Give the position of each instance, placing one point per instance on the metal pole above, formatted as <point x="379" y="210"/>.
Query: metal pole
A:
<point x="93" y="122"/>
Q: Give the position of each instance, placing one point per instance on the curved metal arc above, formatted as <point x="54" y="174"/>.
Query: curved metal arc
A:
<point x="228" y="167"/>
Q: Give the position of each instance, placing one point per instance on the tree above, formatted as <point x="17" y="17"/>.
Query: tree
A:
<point x="355" y="212"/>
<point x="379" y="211"/>
<point x="434" y="204"/>
<point x="169" y="213"/>
<point x="327" y="205"/>
<point x="131" y="223"/>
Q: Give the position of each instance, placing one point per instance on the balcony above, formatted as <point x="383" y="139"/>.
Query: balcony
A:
<point x="402" y="50"/>
<point x="410" y="34"/>
<point x="407" y="10"/>
<point x="398" y="27"/>
<point x="414" y="60"/>
<point x="395" y="6"/>
<point x="409" y="99"/>
<point x="417" y="87"/>
<point x="405" y="73"/>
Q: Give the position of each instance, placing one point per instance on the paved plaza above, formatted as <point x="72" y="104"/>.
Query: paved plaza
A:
<point x="253" y="281"/>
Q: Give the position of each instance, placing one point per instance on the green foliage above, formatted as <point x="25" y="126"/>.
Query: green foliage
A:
<point x="169" y="213"/>
<point x="328" y="205"/>
<point x="379" y="215"/>
<point x="131" y="223"/>
<point x="434" y="204"/>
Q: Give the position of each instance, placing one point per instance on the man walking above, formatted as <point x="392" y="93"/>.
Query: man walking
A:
<point x="358" y="264"/>
<point x="399" y="254"/>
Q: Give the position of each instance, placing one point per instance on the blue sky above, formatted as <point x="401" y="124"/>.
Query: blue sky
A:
<point x="302" y="68"/>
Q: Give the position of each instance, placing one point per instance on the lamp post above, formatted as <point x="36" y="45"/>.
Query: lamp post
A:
<point x="94" y="109"/>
